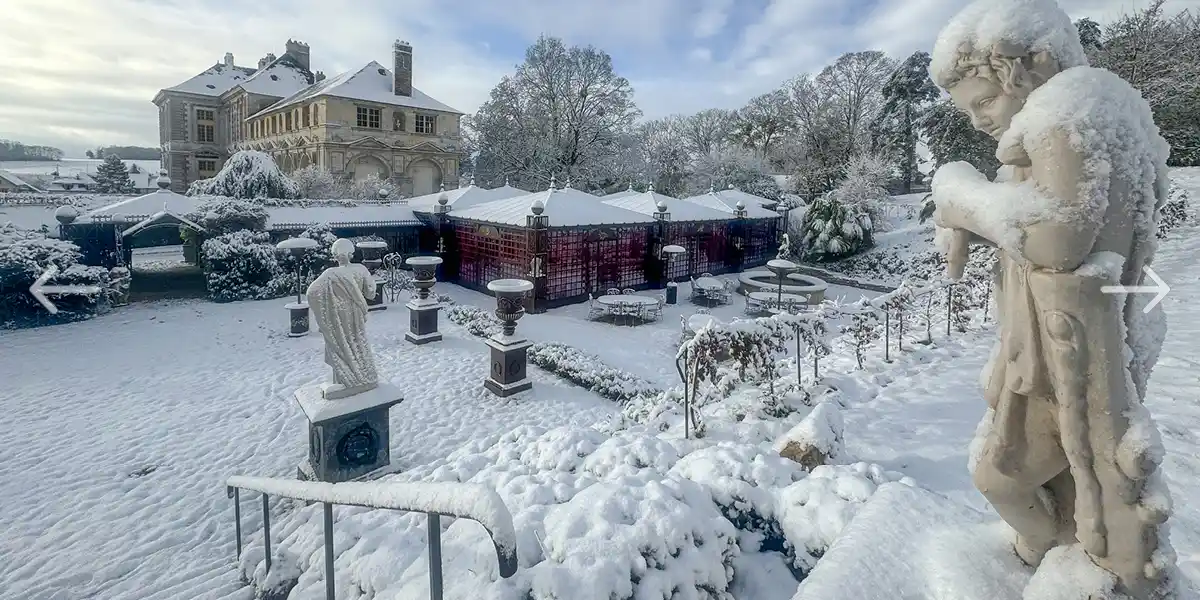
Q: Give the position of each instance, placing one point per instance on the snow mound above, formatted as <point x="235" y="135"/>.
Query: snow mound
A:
<point x="816" y="440"/>
<point x="1035" y="25"/>
<point x="631" y="515"/>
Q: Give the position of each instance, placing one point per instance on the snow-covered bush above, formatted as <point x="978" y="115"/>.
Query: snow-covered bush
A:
<point x="314" y="182"/>
<point x="248" y="174"/>
<point x="832" y="229"/>
<point x="863" y="327"/>
<point x="314" y="261"/>
<point x="1175" y="212"/>
<point x="243" y="265"/>
<point x="588" y="371"/>
<point x="24" y="256"/>
<point x="895" y="306"/>
<point x="225" y="215"/>
<point x="475" y="320"/>
<point x="367" y="188"/>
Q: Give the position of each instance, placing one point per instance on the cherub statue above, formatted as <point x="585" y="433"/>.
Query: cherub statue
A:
<point x="338" y="299"/>
<point x="1066" y="453"/>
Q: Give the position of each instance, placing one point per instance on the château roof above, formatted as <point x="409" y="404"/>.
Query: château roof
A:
<point x="215" y="80"/>
<point x="283" y="77"/>
<point x="566" y="207"/>
<point x="372" y="83"/>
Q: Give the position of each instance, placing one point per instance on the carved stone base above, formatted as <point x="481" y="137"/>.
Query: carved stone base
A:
<point x="298" y="316"/>
<point x="508" y="374"/>
<point x="347" y="438"/>
<point x="423" y="322"/>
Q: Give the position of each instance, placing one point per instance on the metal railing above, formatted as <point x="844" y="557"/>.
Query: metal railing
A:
<point x="389" y="496"/>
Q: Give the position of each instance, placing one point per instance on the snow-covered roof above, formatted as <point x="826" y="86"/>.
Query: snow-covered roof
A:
<point x="75" y="179"/>
<point x="372" y="83"/>
<point x="567" y="207"/>
<point x="283" y="77"/>
<point x="14" y="180"/>
<point x="337" y="216"/>
<point x="726" y="201"/>
<point x="160" y="217"/>
<point x="150" y="204"/>
<point x="463" y="198"/>
<point x="144" y="180"/>
<point x="215" y="80"/>
<point x="646" y="203"/>
<point x="748" y="198"/>
<point x="621" y="194"/>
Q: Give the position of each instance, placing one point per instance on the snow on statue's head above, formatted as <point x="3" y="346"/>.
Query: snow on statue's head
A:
<point x="993" y="53"/>
<point x="342" y="250"/>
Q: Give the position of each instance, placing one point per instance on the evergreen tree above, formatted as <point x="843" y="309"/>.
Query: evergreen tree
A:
<point x="1090" y="35"/>
<point x="112" y="177"/>
<point x="906" y="95"/>
<point x="950" y="137"/>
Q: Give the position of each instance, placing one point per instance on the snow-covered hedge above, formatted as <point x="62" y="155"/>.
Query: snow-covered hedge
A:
<point x="588" y="371"/>
<point x="243" y="265"/>
<point x="24" y="256"/>
<point x="1175" y="212"/>
<point x="247" y="174"/>
<point x="47" y="199"/>
<point x="226" y="215"/>
<point x="578" y="367"/>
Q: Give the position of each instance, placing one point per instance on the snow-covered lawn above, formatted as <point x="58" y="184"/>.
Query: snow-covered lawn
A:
<point x="121" y="431"/>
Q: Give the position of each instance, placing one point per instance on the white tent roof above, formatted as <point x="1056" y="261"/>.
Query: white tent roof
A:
<point x="737" y="194"/>
<point x="337" y="216"/>
<point x="726" y="201"/>
<point x="465" y="197"/>
<point x="621" y="194"/>
<point x="647" y="204"/>
<point x="566" y="207"/>
<point x="149" y="204"/>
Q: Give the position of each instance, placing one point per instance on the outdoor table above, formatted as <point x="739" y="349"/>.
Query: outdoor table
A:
<point x="698" y="322"/>
<point x="705" y="287"/>
<point x="771" y="299"/>
<point x="625" y="304"/>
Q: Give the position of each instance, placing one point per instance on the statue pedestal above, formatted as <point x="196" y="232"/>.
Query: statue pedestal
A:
<point x="347" y="437"/>
<point x="298" y="316"/>
<point x="377" y="303"/>
<point x="906" y="543"/>
<point x="423" y="321"/>
<point x="508" y="374"/>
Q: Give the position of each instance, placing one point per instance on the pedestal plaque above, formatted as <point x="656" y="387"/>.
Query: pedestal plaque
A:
<point x="508" y="374"/>
<point x="423" y="322"/>
<point x="348" y="437"/>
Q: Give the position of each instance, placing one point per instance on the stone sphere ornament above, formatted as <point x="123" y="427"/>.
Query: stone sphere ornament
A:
<point x="66" y="214"/>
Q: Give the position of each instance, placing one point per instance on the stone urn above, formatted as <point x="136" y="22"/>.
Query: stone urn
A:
<point x="423" y="310"/>
<point x="507" y="375"/>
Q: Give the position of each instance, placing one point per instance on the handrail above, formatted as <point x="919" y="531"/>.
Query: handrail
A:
<point x="458" y="500"/>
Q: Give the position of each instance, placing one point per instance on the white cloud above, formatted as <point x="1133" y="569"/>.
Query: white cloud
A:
<point x="84" y="76"/>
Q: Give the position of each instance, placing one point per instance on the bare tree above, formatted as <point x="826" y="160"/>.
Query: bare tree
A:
<point x="561" y="114"/>
<point x="762" y="122"/>
<point x="854" y="87"/>
<point x="664" y="153"/>
<point x="708" y="130"/>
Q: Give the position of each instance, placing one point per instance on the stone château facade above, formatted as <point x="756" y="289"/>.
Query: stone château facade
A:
<point x="362" y="122"/>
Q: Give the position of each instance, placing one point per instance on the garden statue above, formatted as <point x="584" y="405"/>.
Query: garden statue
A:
<point x="1067" y="453"/>
<point x="338" y="299"/>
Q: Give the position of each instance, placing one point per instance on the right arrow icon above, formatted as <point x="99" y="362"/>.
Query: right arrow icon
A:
<point x="1160" y="289"/>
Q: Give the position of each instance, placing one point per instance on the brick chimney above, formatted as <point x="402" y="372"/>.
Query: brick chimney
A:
<point x="266" y="60"/>
<point x="402" y="68"/>
<point x="299" y="51"/>
<point x="229" y="59"/>
<point x="319" y="77"/>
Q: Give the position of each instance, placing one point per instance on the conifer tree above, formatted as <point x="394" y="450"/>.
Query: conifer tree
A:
<point x="112" y="177"/>
<point x="895" y="131"/>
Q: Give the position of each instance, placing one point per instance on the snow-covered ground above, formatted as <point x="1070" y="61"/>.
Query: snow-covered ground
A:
<point x="123" y="428"/>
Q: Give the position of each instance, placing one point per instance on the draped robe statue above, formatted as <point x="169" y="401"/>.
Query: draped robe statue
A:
<point x="338" y="299"/>
<point x="1066" y="453"/>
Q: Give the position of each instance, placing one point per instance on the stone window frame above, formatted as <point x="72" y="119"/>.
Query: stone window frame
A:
<point x="200" y="165"/>
<point x="428" y="119"/>
<point x="368" y="117"/>
<point x="206" y="133"/>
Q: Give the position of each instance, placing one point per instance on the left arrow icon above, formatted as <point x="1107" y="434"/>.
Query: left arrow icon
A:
<point x="39" y="289"/>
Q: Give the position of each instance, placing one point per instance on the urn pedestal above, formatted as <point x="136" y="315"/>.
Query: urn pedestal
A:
<point x="299" y="318"/>
<point x="348" y="438"/>
<point x="377" y="302"/>
<point x="372" y="258"/>
<point x="423" y="309"/>
<point x="508" y="374"/>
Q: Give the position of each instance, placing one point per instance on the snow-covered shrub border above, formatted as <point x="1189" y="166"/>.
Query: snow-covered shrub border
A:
<point x="24" y="256"/>
<point x="243" y="265"/>
<point x="578" y="367"/>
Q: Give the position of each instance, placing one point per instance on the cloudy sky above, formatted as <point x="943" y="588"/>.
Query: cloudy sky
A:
<point x="82" y="74"/>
